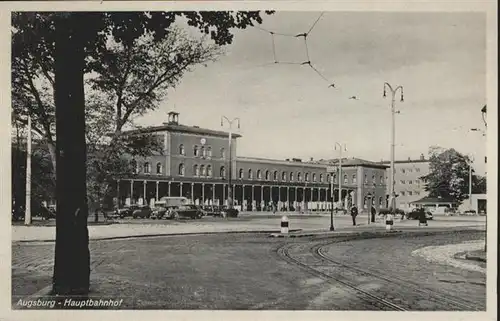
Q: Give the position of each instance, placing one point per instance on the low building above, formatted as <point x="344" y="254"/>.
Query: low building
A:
<point x="476" y="203"/>
<point x="195" y="164"/>
<point x="436" y="205"/>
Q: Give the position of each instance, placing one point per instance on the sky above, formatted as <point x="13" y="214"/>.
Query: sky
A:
<point x="289" y="111"/>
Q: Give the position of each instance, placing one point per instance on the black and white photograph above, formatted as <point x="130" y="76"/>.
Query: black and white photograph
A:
<point x="251" y="160"/>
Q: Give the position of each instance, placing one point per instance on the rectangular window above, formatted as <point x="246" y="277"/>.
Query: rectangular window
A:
<point x="410" y="193"/>
<point x="402" y="193"/>
<point x="403" y="182"/>
<point x="410" y="182"/>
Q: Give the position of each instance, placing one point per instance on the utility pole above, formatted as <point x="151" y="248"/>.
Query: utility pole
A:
<point x="340" y="147"/>
<point x="230" y="167"/>
<point x="27" y="213"/>
<point x="392" y="193"/>
<point x="471" y="160"/>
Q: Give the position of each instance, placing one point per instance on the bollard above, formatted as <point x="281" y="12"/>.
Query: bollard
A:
<point x="284" y="224"/>
<point x="389" y="222"/>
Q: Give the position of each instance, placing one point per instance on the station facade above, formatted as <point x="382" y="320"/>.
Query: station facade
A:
<point x="195" y="164"/>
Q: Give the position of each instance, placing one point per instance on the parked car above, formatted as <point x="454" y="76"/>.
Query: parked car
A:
<point x="142" y="212"/>
<point x="229" y="212"/>
<point x="470" y="212"/>
<point x="415" y="215"/>
<point x="185" y="211"/>
<point x="212" y="210"/>
<point x="126" y="211"/>
<point x="158" y="211"/>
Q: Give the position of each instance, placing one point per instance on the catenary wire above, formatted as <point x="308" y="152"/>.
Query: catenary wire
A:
<point x="308" y="61"/>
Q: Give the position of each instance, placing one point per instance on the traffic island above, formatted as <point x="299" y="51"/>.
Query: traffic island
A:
<point x="479" y="255"/>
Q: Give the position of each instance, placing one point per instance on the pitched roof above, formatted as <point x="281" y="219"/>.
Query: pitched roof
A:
<point x="436" y="200"/>
<point x="351" y="162"/>
<point x="180" y="128"/>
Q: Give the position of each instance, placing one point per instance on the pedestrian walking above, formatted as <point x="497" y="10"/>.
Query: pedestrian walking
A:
<point x="354" y="213"/>
<point x="373" y="212"/>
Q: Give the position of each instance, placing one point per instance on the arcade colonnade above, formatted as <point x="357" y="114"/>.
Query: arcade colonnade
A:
<point x="247" y="196"/>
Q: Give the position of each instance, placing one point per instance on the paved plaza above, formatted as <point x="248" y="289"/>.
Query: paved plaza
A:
<point x="247" y="222"/>
<point x="248" y="271"/>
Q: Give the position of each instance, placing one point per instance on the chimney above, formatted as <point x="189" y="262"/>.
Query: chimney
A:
<point x="409" y="158"/>
<point x="312" y="159"/>
<point x="173" y="118"/>
<point x="422" y="157"/>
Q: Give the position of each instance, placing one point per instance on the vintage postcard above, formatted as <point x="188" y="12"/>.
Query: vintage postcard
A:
<point x="212" y="160"/>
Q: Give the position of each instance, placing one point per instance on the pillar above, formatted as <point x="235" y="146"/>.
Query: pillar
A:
<point x="253" y="197"/>
<point x="360" y="184"/>
<point x="223" y="194"/>
<point x="144" y="184"/>
<point x="118" y="193"/>
<point x="202" y="193"/>
<point x="131" y="191"/>
<point x="192" y="193"/>
<point x="157" y="189"/>
<point x="169" y="189"/>
<point x="213" y="194"/>
<point x="243" y="197"/>
<point x="180" y="189"/>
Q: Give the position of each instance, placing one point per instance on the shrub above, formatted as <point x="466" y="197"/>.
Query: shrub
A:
<point x="385" y="211"/>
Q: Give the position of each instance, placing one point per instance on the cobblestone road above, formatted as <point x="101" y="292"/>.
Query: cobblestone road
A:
<point x="234" y="271"/>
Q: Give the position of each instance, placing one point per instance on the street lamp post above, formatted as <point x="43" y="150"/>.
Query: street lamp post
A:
<point x="471" y="160"/>
<point x="27" y="213"/>
<point x="340" y="147"/>
<point x="483" y="114"/>
<point x="392" y="197"/>
<point x="230" y="167"/>
<point x="332" y="228"/>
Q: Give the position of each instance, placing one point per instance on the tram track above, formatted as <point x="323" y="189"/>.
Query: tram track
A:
<point x="380" y="291"/>
<point x="446" y="299"/>
<point x="368" y="297"/>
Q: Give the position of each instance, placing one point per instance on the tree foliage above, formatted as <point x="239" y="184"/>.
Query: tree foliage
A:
<point x="74" y="42"/>
<point x="132" y="60"/>
<point x="449" y="175"/>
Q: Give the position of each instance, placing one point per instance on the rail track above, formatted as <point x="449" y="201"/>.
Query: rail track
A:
<point x="369" y="298"/>
<point x="392" y="291"/>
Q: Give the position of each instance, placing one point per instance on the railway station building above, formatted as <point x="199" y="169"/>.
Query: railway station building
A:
<point x="195" y="164"/>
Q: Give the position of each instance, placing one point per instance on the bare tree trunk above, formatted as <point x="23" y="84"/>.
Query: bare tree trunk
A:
<point x="52" y="151"/>
<point x="72" y="256"/>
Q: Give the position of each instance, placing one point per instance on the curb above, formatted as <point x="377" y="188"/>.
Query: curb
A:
<point x="333" y="233"/>
<point x="161" y="235"/>
<point x="474" y="258"/>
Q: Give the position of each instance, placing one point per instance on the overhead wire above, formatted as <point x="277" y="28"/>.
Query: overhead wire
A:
<point x="308" y="62"/>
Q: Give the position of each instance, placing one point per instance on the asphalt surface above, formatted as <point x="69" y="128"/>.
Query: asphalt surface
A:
<point x="246" y="271"/>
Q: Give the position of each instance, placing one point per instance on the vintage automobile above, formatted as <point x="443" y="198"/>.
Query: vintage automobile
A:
<point x="229" y="212"/>
<point x="142" y="212"/>
<point x="185" y="211"/>
<point x="212" y="210"/>
<point x="415" y="215"/>
<point x="126" y="211"/>
<point x="159" y="210"/>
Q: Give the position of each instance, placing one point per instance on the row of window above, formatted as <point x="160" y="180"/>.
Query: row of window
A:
<point x="409" y="193"/>
<point x="146" y="167"/>
<point x="410" y="182"/>
<point x="201" y="170"/>
<point x="409" y="170"/>
<point x="201" y="151"/>
<point x="381" y="202"/>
